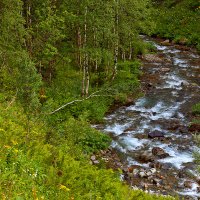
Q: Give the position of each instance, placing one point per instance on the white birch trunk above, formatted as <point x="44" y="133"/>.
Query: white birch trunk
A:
<point x="116" y="51"/>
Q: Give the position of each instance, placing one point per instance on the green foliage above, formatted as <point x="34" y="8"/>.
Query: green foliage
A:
<point x="44" y="49"/>
<point x="177" y="20"/>
<point x="196" y="108"/>
<point x="42" y="168"/>
<point x="28" y="84"/>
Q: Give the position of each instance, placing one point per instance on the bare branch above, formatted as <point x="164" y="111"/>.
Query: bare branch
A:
<point x="77" y="100"/>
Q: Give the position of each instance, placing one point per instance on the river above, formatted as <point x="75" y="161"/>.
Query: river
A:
<point x="172" y="87"/>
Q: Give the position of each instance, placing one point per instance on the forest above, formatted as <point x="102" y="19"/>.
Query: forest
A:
<point x="64" y="67"/>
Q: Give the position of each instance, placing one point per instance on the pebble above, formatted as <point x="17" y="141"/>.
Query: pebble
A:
<point x="156" y="181"/>
<point x="149" y="173"/>
<point x="135" y="171"/>
<point x="93" y="158"/>
<point x="142" y="174"/>
<point x="95" y="162"/>
<point x="153" y="170"/>
<point x="188" y="184"/>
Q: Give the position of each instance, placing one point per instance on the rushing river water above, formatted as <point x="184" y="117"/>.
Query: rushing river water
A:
<point x="165" y="109"/>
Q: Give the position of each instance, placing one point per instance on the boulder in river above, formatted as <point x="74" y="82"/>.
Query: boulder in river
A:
<point x="155" y="134"/>
<point x="159" y="152"/>
<point x="146" y="157"/>
<point x="188" y="184"/>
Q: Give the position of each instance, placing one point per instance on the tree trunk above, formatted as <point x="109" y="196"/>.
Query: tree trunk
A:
<point x="130" y="51"/>
<point x="116" y="50"/>
<point x="85" y="83"/>
<point x="87" y="77"/>
<point x="83" y="78"/>
<point x="79" y="41"/>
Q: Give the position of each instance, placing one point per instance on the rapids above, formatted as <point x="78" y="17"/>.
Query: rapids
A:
<point x="166" y="107"/>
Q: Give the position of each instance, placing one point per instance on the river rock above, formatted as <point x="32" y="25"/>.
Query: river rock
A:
<point x="155" y="165"/>
<point x="142" y="174"/>
<point x="153" y="170"/>
<point x="159" y="152"/>
<point x="149" y="173"/>
<point x="165" y="69"/>
<point x="181" y="174"/>
<point x="146" y="157"/>
<point x="194" y="128"/>
<point x="156" y="181"/>
<point x="93" y="158"/>
<point x="166" y="42"/>
<point x="133" y="168"/>
<point x="125" y="170"/>
<point x="135" y="171"/>
<point x="152" y="58"/>
<point x="183" y="129"/>
<point x="95" y="162"/>
<point x="188" y="184"/>
<point x="144" y="185"/>
<point x="155" y="134"/>
<point x="130" y="175"/>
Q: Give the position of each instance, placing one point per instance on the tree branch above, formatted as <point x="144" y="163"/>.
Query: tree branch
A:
<point x="77" y="100"/>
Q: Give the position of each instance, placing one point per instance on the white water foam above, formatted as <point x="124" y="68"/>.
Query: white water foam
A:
<point x="117" y="129"/>
<point x="159" y="47"/>
<point x="176" y="158"/>
<point x="133" y="143"/>
<point x="191" y="192"/>
<point x="180" y="62"/>
<point x="117" y="146"/>
<point x="172" y="51"/>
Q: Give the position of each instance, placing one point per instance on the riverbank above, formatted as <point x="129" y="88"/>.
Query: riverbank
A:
<point x="177" y="21"/>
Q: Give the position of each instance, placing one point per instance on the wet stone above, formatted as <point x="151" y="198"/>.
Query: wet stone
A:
<point x="155" y="134"/>
<point x="156" y="165"/>
<point x="142" y="174"/>
<point x="146" y="157"/>
<point x="194" y="128"/>
<point x="165" y="69"/>
<point x="188" y="184"/>
<point x="153" y="170"/>
<point x="149" y="173"/>
<point x="159" y="152"/>
<point x="166" y="166"/>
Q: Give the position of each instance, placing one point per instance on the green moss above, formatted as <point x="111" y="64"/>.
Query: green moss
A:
<point x="196" y="108"/>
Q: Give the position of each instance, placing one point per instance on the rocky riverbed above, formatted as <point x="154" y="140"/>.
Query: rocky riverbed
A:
<point x="152" y="142"/>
